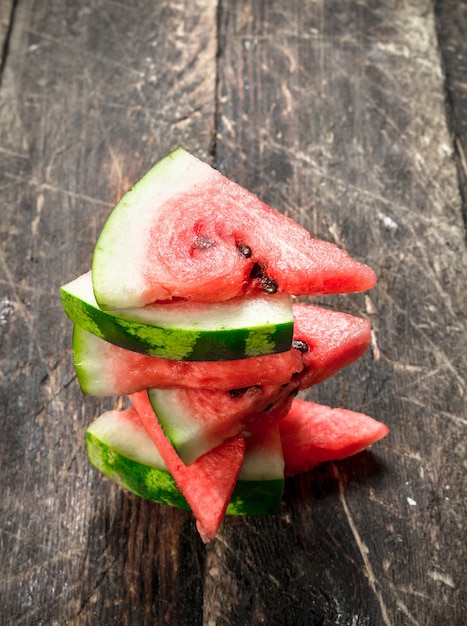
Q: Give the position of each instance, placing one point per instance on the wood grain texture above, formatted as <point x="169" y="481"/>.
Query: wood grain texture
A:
<point x="336" y="114"/>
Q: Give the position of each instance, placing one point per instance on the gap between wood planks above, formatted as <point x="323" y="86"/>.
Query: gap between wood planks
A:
<point x="7" y="16"/>
<point x="452" y="49"/>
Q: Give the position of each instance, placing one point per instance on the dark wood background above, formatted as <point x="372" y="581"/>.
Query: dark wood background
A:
<point x="352" y="118"/>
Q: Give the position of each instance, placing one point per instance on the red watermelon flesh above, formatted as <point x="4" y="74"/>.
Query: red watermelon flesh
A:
<point x="197" y="421"/>
<point x="106" y="369"/>
<point x="208" y="483"/>
<point x="283" y="254"/>
<point x="313" y="433"/>
<point x="186" y="231"/>
<point x="334" y="340"/>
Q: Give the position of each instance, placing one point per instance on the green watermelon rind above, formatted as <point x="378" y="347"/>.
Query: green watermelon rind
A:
<point x="159" y="182"/>
<point x="256" y="497"/>
<point x="119" y="446"/>
<point x="182" y="343"/>
<point x="250" y="497"/>
<point x="186" y="434"/>
<point x="151" y="483"/>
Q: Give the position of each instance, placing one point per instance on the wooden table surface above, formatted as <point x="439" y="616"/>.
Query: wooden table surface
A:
<point x="352" y="118"/>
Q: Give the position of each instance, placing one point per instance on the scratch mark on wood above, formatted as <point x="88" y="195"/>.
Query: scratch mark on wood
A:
<point x="363" y="549"/>
<point x="13" y="153"/>
<point x="445" y="414"/>
<point x="54" y="188"/>
<point x="37" y="217"/>
<point x="297" y="156"/>
<point x="463" y="160"/>
<point x="374" y="346"/>
<point x="51" y="385"/>
<point x="446" y="579"/>
<point x="333" y="229"/>
<point x="402" y="606"/>
<point x="444" y="360"/>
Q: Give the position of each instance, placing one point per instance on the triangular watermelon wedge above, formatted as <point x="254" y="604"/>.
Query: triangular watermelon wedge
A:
<point x="330" y="340"/>
<point x="186" y="231"/>
<point x="198" y="420"/>
<point x="334" y="340"/>
<point x="208" y="483"/>
<point x="119" y="446"/>
<point x="314" y="433"/>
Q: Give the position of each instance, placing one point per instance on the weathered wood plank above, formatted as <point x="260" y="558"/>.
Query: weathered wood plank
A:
<point x="92" y="94"/>
<point x="334" y="113"/>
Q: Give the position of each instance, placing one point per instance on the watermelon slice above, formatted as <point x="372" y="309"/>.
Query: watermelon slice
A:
<point x="186" y="231"/>
<point x="190" y="296"/>
<point x="330" y="341"/>
<point x="313" y="433"/>
<point x="104" y="369"/>
<point x="260" y="483"/>
<point x="208" y="483"/>
<point x="198" y="420"/>
<point x="119" y="446"/>
<point x="193" y="331"/>
<point x="334" y="341"/>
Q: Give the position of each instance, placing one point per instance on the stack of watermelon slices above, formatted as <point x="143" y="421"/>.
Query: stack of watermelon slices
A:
<point x="189" y="310"/>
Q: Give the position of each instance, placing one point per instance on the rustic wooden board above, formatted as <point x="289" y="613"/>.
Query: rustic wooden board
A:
<point x="333" y="112"/>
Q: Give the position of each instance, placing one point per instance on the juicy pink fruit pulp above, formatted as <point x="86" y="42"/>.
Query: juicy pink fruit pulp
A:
<point x="313" y="433"/>
<point x="192" y="250"/>
<point x="223" y="414"/>
<point x="129" y="372"/>
<point x="208" y="483"/>
<point x="334" y="339"/>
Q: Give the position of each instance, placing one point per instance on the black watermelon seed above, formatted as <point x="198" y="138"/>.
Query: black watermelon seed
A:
<point x="300" y="345"/>
<point x="269" y="284"/>
<point x="244" y="249"/>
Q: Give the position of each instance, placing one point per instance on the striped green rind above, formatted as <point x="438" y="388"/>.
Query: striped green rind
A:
<point x="186" y="434"/>
<point x="148" y="482"/>
<point x="125" y="453"/>
<point x="256" y="497"/>
<point x="213" y="337"/>
<point x="88" y="371"/>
